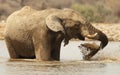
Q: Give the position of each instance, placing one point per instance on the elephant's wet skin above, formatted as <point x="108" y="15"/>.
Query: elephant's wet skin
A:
<point x="89" y="50"/>
<point x="15" y="51"/>
<point x="30" y="33"/>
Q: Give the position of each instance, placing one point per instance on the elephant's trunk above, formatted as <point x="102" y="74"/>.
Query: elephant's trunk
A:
<point x="103" y="38"/>
<point x="98" y="35"/>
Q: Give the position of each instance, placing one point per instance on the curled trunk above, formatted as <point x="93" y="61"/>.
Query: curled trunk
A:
<point x="97" y="35"/>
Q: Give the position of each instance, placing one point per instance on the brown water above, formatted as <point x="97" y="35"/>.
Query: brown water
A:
<point x="106" y="62"/>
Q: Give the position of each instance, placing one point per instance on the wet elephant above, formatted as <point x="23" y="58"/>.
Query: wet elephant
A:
<point x="38" y="34"/>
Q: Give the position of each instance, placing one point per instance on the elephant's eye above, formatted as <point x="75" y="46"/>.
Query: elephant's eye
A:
<point x="77" y="26"/>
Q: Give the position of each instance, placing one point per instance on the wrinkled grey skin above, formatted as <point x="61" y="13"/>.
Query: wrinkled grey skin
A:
<point x="38" y="34"/>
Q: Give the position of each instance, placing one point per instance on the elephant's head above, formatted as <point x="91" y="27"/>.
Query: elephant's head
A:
<point x="69" y="28"/>
<point x="87" y="30"/>
<point x="72" y="26"/>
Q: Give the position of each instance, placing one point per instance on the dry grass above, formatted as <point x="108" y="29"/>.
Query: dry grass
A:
<point x="111" y="30"/>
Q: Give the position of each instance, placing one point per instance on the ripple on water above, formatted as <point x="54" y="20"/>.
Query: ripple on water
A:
<point x="106" y="62"/>
<point x="32" y="67"/>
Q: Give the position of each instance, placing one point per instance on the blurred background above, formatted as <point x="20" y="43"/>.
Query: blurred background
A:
<point x="96" y="11"/>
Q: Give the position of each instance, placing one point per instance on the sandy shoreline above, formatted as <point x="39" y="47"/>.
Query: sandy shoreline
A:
<point x="111" y="30"/>
<point x="2" y="27"/>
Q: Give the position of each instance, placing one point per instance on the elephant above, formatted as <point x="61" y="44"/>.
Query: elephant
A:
<point x="37" y="34"/>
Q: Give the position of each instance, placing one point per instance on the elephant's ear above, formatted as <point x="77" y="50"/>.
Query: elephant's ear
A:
<point x="54" y="23"/>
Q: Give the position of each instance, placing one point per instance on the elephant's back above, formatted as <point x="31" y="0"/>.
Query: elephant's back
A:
<point x="27" y="18"/>
<point x="49" y="11"/>
<point x="20" y="17"/>
<point x="20" y="23"/>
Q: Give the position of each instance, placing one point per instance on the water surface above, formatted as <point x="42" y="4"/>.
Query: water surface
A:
<point x="106" y="62"/>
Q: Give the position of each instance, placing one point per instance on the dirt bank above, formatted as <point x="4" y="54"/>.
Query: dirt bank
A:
<point x="2" y="27"/>
<point x="111" y="30"/>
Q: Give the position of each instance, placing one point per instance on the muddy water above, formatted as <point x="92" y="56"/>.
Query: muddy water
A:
<point x="106" y="62"/>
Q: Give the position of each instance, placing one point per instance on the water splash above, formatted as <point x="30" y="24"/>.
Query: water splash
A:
<point x="71" y="52"/>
